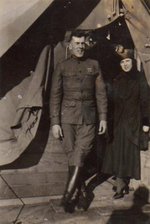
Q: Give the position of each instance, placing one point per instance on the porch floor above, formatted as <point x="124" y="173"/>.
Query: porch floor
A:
<point x="103" y="210"/>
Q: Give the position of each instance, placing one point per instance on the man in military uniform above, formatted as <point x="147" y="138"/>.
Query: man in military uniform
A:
<point x="78" y="98"/>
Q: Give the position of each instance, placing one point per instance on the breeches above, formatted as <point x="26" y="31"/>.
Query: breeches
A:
<point x="77" y="142"/>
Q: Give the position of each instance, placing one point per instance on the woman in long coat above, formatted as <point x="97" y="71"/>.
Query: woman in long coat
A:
<point x="130" y="115"/>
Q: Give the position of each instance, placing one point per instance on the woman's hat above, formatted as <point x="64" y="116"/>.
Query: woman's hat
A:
<point x="124" y="52"/>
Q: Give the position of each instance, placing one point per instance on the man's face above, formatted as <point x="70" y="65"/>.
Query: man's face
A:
<point x="77" y="46"/>
<point x="126" y="64"/>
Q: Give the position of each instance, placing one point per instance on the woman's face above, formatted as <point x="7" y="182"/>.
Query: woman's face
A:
<point x="126" y="64"/>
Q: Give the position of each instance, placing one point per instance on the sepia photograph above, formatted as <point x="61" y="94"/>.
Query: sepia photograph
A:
<point x="74" y="111"/>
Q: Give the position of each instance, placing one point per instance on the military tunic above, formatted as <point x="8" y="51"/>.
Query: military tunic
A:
<point x="78" y="98"/>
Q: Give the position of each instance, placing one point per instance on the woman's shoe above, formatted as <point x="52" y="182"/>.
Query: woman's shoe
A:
<point x="121" y="194"/>
<point x="126" y="190"/>
<point x="118" y="195"/>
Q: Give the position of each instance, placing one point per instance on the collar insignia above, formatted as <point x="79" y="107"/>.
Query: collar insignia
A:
<point x="89" y="70"/>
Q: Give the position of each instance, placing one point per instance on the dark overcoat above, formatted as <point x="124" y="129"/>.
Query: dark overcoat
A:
<point x="131" y="112"/>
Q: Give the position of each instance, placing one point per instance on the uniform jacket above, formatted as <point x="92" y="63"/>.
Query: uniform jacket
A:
<point x="78" y="92"/>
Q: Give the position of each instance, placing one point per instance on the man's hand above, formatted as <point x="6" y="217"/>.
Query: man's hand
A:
<point x="102" y="127"/>
<point x="145" y="128"/>
<point x="57" y="131"/>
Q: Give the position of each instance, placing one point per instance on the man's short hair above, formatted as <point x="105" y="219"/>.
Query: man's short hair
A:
<point x="77" y="33"/>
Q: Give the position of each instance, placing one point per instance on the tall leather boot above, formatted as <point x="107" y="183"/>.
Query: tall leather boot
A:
<point x="97" y="180"/>
<point x="72" y="184"/>
<point x="85" y="198"/>
<point x="86" y="194"/>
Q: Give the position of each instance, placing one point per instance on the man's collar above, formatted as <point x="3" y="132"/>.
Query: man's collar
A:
<point x="78" y="58"/>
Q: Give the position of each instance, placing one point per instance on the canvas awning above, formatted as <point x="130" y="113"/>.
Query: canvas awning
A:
<point x="16" y="17"/>
<point x="20" y="111"/>
<point x="104" y="13"/>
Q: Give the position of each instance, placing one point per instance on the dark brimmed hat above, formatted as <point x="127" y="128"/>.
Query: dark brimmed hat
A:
<point x="124" y="52"/>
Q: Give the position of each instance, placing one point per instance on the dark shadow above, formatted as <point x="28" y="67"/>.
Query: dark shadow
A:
<point x="137" y="213"/>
